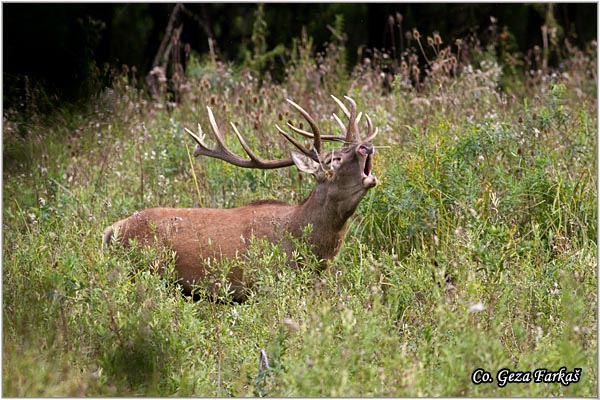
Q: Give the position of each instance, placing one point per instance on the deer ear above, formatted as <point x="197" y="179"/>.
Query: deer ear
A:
<point x="305" y="163"/>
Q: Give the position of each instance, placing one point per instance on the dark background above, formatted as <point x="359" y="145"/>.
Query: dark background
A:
<point x="62" y="46"/>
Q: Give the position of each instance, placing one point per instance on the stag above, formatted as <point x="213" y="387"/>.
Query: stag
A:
<point x="201" y="236"/>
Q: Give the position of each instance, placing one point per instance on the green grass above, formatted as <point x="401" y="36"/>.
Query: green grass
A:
<point x="476" y="250"/>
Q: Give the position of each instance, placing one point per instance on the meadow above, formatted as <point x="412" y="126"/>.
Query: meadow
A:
<point x="477" y="249"/>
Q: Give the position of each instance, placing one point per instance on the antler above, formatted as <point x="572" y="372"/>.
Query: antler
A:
<point x="351" y="131"/>
<point x="222" y="151"/>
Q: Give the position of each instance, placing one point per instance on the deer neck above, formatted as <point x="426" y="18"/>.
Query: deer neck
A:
<point x="328" y="214"/>
<point x="323" y="208"/>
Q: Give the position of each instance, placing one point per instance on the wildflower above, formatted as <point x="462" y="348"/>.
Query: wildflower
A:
<point x="477" y="307"/>
<point x="437" y="39"/>
<point x="430" y="40"/>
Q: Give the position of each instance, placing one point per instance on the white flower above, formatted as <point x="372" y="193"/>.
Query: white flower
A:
<point x="477" y="307"/>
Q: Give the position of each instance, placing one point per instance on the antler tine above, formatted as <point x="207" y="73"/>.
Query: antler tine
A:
<point x="352" y="125"/>
<point x="331" y="138"/>
<point x="371" y="134"/>
<point x="217" y="132"/>
<point x="339" y="121"/>
<point x="300" y="131"/>
<point x="357" y="121"/>
<point x="311" y="122"/>
<point x="247" y="148"/>
<point x="199" y="140"/>
<point x="351" y="115"/>
<point x="342" y="106"/>
<point x="222" y="152"/>
<point x="313" y="155"/>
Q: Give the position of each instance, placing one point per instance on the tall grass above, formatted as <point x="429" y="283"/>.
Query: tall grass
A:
<point x="476" y="250"/>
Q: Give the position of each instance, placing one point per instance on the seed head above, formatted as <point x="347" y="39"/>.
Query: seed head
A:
<point x="399" y="18"/>
<point x="458" y="42"/>
<point x="416" y="34"/>
<point x="415" y="70"/>
<point x="437" y="39"/>
<point x="430" y="40"/>
<point x="390" y="20"/>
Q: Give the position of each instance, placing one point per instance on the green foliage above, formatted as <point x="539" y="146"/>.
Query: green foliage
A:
<point x="477" y="249"/>
<point x="259" y="57"/>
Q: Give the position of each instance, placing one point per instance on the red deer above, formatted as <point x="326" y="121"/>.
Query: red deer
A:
<point x="200" y="235"/>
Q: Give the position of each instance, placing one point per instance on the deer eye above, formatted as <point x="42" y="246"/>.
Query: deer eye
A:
<point x="335" y="162"/>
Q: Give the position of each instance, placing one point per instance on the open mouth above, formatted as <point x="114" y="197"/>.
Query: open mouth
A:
<point x="368" y="168"/>
<point x="368" y="180"/>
